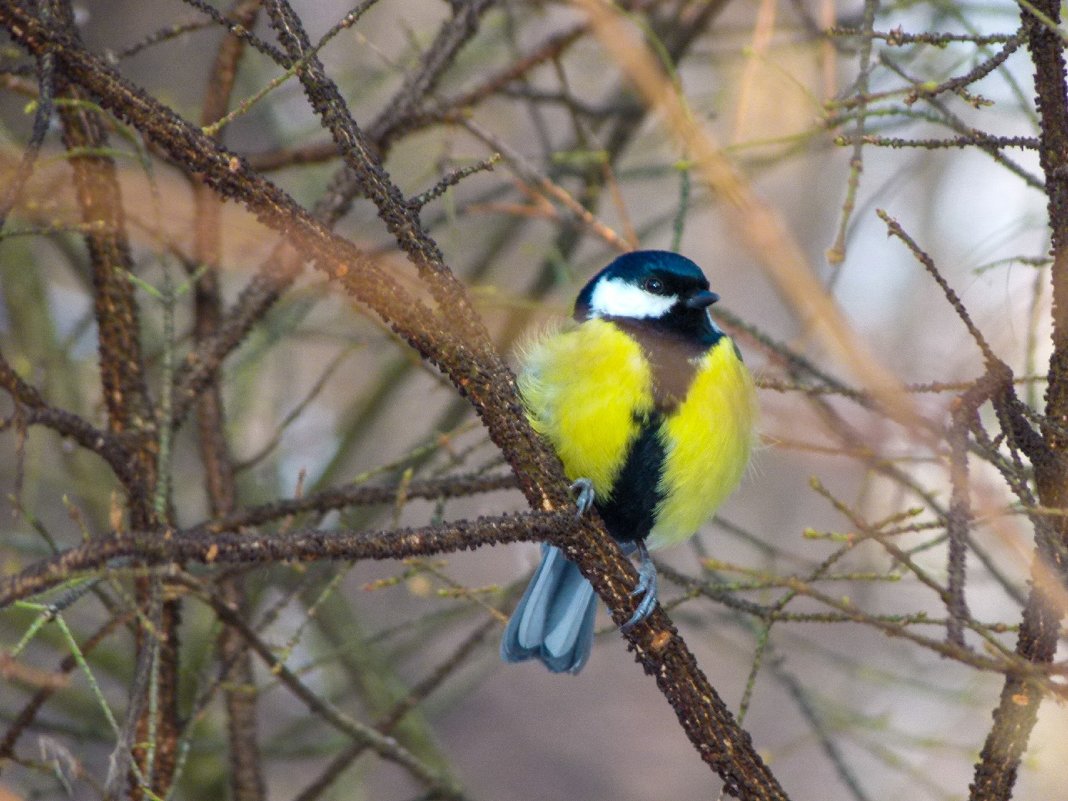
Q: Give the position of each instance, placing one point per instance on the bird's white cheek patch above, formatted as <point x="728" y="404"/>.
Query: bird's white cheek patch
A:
<point x="617" y="298"/>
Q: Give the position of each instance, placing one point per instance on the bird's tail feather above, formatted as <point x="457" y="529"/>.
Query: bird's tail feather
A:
<point x="554" y="619"/>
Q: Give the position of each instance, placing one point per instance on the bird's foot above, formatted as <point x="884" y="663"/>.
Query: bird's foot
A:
<point x="583" y="489"/>
<point x="646" y="588"/>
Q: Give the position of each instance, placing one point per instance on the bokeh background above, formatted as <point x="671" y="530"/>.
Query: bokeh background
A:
<point x="320" y="394"/>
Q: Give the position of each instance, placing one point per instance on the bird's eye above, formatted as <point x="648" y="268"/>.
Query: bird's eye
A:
<point x="654" y="285"/>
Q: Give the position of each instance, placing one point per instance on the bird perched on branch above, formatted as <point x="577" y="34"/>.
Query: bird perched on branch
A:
<point x="649" y="407"/>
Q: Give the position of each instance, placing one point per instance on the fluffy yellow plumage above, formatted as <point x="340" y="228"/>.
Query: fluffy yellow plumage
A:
<point x="708" y="442"/>
<point x="587" y="389"/>
<point x="583" y="390"/>
<point x="649" y="407"/>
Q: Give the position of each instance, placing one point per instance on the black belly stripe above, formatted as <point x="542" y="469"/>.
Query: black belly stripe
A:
<point x="630" y="512"/>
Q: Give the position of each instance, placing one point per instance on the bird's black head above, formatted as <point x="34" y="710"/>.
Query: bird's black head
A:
<point x="654" y="287"/>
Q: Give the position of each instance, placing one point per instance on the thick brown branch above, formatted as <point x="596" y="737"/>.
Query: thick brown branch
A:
<point x="474" y="369"/>
<point x="100" y="201"/>
<point x="359" y="154"/>
<point x="121" y="372"/>
<point x="1017" y="711"/>
<point x="150" y="549"/>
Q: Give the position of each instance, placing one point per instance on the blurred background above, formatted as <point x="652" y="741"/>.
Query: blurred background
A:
<point x="822" y="110"/>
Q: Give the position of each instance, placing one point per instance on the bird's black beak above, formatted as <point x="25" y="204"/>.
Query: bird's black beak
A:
<point x="701" y="300"/>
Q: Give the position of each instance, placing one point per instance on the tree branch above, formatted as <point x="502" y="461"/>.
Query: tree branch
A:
<point x="1017" y="711"/>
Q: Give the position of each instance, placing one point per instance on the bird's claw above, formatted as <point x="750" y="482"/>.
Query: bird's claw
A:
<point x="646" y="588"/>
<point x="583" y="489"/>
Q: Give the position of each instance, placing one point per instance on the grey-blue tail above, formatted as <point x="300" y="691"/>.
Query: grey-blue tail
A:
<point x="554" y="619"/>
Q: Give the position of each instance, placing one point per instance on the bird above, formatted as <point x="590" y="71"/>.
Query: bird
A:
<point x="651" y="410"/>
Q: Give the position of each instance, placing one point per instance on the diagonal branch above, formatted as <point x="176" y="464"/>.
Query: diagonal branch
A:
<point x="358" y="152"/>
<point x="472" y="366"/>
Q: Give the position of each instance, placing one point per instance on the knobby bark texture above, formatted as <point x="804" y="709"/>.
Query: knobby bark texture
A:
<point x="1016" y="713"/>
<point x="444" y="330"/>
<point x="147" y="565"/>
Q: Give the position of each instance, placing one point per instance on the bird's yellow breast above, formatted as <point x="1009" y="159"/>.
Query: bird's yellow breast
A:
<point x="589" y="390"/>
<point x="586" y="390"/>
<point x="707" y="441"/>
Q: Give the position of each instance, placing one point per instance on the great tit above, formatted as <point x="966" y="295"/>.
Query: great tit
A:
<point x="651" y="410"/>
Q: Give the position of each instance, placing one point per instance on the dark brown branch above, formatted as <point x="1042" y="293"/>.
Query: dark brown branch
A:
<point x="898" y="38"/>
<point x="965" y="415"/>
<point x="974" y="139"/>
<point x="359" y="154"/>
<point x="1017" y="710"/>
<point x="100" y="202"/>
<point x="150" y="549"/>
<point x="474" y="369"/>
<point x="125" y="394"/>
<point x="977" y="73"/>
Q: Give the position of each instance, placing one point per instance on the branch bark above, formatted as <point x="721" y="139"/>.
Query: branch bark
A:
<point x="463" y="353"/>
<point x="1017" y="710"/>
